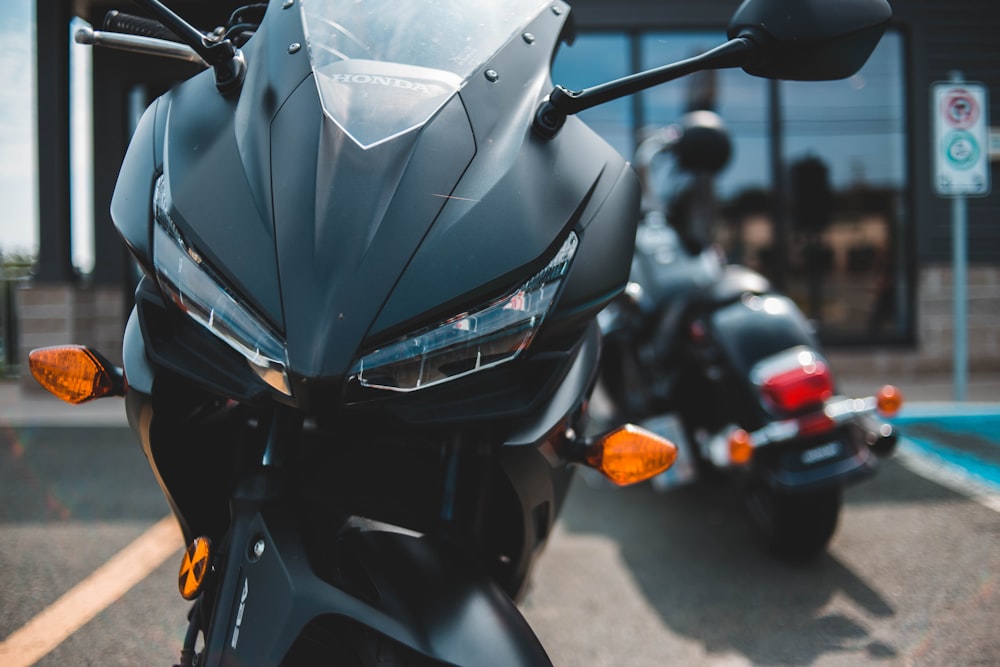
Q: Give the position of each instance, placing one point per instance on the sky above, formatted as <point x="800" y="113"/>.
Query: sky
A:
<point x="18" y="187"/>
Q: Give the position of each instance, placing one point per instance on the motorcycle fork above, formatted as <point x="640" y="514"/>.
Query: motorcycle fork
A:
<point x="465" y="492"/>
<point x="221" y="606"/>
<point x="461" y="520"/>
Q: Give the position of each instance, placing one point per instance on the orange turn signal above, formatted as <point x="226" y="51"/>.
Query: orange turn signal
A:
<point x="740" y="447"/>
<point x="631" y="454"/>
<point x="194" y="568"/>
<point x="889" y="400"/>
<point x="75" y="373"/>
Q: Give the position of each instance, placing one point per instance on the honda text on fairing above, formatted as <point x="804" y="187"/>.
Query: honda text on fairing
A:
<point x="374" y="242"/>
<point x="710" y="355"/>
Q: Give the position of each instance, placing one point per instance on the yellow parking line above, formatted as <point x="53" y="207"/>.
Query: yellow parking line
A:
<point x="128" y="567"/>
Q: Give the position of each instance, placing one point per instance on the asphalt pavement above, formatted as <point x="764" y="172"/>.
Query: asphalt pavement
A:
<point x="630" y="577"/>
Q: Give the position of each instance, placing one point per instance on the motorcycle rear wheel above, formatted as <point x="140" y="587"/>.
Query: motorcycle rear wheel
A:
<point x="793" y="527"/>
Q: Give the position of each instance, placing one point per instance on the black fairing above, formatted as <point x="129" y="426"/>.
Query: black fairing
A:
<point x="132" y="202"/>
<point x="419" y="592"/>
<point x="340" y="247"/>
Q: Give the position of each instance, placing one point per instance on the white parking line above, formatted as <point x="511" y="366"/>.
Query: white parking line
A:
<point x="948" y="475"/>
<point x="105" y="585"/>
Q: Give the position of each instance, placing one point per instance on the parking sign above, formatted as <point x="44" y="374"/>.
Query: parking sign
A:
<point x="961" y="139"/>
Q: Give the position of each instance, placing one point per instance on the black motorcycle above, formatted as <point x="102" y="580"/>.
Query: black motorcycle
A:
<point x="374" y="242"/>
<point x="711" y="355"/>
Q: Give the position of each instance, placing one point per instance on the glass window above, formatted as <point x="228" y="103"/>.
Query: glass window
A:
<point x="741" y="102"/>
<point x="739" y="99"/>
<point x="813" y="194"/>
<point x="845" y="151"/>
<point x="597" y="58"/>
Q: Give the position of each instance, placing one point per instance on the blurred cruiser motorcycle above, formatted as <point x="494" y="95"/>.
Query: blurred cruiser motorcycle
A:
<point x="375" y="240"/>
<point x="710" y="355"/>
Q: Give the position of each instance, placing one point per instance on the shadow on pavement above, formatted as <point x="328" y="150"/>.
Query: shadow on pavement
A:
<point x="692" y="555"/>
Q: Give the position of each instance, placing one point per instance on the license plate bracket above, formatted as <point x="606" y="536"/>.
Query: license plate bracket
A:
<point x="821" y="453"/>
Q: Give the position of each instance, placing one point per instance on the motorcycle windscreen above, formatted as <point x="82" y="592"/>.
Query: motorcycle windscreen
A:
<point x="384" y="68"/>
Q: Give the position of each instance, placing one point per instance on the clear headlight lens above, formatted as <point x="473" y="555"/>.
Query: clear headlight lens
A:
<point x="490" y="335"/>
<point x="201" y="295"/>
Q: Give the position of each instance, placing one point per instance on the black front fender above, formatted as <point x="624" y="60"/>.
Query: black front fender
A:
<point x="458" y="614"/>
<point x="787" y="469"/>
<point x="421" y="593"/>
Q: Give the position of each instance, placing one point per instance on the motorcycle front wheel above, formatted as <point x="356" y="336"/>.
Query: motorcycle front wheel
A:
<point x="793" y="527"/>
<point x="342" y="643"/>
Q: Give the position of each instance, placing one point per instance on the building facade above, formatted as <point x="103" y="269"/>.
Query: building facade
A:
<point x="829" y="190"/>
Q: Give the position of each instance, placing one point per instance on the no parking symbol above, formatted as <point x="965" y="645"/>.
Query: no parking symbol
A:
<point x="961" y="139"/>
<point x="961" y="109"/>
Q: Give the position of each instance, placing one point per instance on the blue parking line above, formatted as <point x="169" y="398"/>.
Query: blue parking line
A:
<point x="984" y="425"/>
<point x="984" y="471"/>
<point x="954" y="423"/>
<point x="946" y="410"/>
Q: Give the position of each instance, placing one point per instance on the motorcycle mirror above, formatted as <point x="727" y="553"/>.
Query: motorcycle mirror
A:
<point x="804" y="40"/>
<point x="810" y="40"/>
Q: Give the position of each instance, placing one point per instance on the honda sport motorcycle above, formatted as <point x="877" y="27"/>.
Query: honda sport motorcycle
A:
<point x="712" y="356"/>
<point x="374" y="241"/>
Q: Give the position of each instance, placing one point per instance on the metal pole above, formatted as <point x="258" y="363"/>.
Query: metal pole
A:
<point x="960" y="296"/>
<point x="959" y="223"/>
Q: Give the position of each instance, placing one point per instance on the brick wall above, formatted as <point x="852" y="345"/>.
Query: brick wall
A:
<point x="933" y="352"/>
<point x="60" y="314"/>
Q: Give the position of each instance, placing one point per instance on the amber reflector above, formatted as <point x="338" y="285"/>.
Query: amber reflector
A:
<point x="71" y="372"/>
<point x="740" y="447"/>
<point x="194" y="568"/>
<point x="630" y="454"/>
<point x="889" y="400"/>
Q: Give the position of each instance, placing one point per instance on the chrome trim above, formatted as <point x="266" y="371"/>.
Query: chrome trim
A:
<point x="839" y="410"/>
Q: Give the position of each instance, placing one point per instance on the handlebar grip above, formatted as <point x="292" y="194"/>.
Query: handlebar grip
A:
<point x="116" y="21"/>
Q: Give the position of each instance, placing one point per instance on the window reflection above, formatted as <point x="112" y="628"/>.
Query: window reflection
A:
<point x="847" y="269"/>
<point x="595" y="58"/>
<point x="828" y="222"/>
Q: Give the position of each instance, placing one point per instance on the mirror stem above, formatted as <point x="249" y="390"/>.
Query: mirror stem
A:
<point x="562" y="102"/>
<point x="226" y="59"/>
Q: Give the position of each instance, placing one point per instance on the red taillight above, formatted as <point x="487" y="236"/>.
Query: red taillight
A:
<point x="804" y="386"/>
<point x="815" y="424"/>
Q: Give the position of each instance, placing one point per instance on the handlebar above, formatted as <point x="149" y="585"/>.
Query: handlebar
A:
<point x="139" y="44"/>
<point x="173" y="38"/>
<point x="129" y="24"/>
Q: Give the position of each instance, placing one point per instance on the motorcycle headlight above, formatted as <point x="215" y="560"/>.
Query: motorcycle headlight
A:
<point x="196" y="290"/>
<point x="475" y="340"/>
